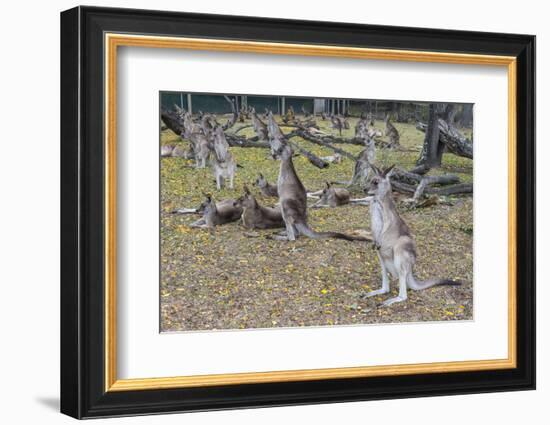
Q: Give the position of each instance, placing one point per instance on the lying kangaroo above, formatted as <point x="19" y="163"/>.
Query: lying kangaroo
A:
<point x="332" y="197"/>
<point x="166" y="150"/>
<point x="217" y="214"/>
<point x="293" y="199"/>
<point x="256" y="216"/>
<point x="394" y="242"/>
<point x="391" y="132"/>
<point x="176" y="151"/>
<point x="267" y="189"/>
<point x="333" y="159"/>
<point x="225" y="205"/>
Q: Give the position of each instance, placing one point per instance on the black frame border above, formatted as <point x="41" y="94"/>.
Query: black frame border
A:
<point x="82" y="206"/>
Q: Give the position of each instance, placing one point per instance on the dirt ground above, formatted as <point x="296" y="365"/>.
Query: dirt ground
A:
<point x="224" y="279"/>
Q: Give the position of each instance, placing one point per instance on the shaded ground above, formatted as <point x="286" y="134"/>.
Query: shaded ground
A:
<point x="225" y="280"/>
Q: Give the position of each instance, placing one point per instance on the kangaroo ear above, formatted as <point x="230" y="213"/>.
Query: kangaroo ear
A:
<point x="261" y="175"/>
<point x="389" y="171"/>
<point x="327" y="184"/>
<point x="375" y="169"/>
<point x="246" y="189"/>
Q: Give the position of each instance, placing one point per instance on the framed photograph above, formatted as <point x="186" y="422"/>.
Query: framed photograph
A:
<point x="261" y="212"/>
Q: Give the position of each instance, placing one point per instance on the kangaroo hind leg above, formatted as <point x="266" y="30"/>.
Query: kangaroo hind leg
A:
<point x="403" y="262"/>
<point x="385" y="280"/>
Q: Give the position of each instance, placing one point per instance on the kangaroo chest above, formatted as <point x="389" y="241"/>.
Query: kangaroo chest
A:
<point x="377" y="221"/>
<point x="288" y="184"/>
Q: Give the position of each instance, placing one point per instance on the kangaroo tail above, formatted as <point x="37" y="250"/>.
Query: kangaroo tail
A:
<point x="305" y="230"/>
<point x="419" y="285"/>
<point x="185" y="211"/>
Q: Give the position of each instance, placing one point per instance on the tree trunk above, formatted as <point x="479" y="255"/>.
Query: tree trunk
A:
<point x="432" y="149"/>
<point x="452" y="138"/>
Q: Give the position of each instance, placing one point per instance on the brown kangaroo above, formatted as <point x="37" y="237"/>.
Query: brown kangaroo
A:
<point x="256" y="216"/>
<point x="293" y="199"/>
<point x="332" y="197"/>
<point x="217" y="214"/>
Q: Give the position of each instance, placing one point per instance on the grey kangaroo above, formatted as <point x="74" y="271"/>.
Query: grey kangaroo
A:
<point x="267" y="189"/>
<point x="176" y="151"/>
<point x="391" y="132"/>
<point x="293" y="199"/>
<point x="394" y="242"/>
<point x="224" y="164"/>
<point x="217" y="214"/>
<point x="256" y="216"/>
<point x="201" y="147"/>
<point x="332" y="197"/>
<point x="259" y="127"/>
<point x="274" y="131"/>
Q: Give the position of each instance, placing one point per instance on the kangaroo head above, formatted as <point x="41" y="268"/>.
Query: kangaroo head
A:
<point x="218" y="131"/>
<point x="280" y="150"/>
<point x="247" y="200"/>
<point x="261" y="181"/>
<point x="327" y="191"/>
<point x="208" y="205"/>
<point x="380" y="184"/>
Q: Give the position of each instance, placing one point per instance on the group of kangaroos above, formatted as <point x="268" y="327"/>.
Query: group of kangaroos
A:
<point x="390" y="235"/>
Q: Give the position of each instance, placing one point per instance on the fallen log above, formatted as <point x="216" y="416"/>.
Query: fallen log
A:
<point x="243" y="142"/>
<point x="421" y="188"/>
<point x="310" y="138"/>
<point x="461" y="188"/>
<point x="172" y="121"/>
<point x="452" y="138"/>
<point x="314" y="159"/>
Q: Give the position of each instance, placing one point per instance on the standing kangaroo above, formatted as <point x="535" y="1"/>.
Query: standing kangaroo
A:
<point x="201" y="147"/>
<point x="259" y="127"/>
<point x="394" y="242"/>
<point x="224" y="164"/>
<point x="256" y="216"/>
<point x="391" y="132"/>
<point x="293" y="199"/>
<point x="273" y="129"/>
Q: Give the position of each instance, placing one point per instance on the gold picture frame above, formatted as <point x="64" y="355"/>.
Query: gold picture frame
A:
<point x="91" y="40"/>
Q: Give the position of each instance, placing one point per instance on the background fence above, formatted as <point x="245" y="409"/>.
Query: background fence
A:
<point x="401" y="111"/>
